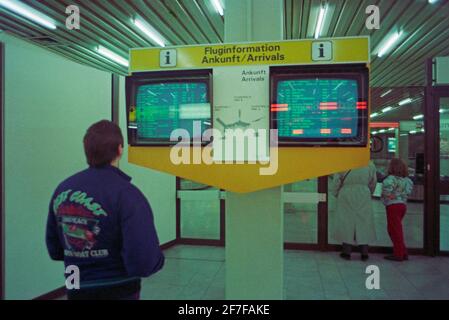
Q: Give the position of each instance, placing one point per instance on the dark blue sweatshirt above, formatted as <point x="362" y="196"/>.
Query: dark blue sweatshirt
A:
<point x="103" y="224"/>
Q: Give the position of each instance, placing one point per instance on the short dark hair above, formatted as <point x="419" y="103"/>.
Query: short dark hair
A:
<point x="101" y="143"/>
<point x="398" y="168"/>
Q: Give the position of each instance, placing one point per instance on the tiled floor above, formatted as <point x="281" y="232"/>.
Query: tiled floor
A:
<point x="194" y="272"/>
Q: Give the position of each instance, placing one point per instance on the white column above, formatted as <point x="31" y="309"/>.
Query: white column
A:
<point x="254" y="221"/>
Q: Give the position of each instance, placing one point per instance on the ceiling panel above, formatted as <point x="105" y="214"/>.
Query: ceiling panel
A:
<point x="109" y="23"/>
<point x="426" y="34"/>
<point x="186" y="22"/>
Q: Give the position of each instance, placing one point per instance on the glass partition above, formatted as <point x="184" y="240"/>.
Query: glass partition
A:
<point x="444" y="173"/>
<point x="300" y="212"/>
<point x="199" y="210"/>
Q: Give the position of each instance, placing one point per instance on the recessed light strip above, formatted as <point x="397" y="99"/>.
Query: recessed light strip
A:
<point x="389" y="44"/>
<point x="28" y="12"/>
<point x="218" y="7"/>
<point x="320" y="21"/>
<point x="149" y="31"/>
<point x="405" y="101"/>
<point x="112" y="56"/>
<point x="386" y="93"/>
<point x="385" y="110"/>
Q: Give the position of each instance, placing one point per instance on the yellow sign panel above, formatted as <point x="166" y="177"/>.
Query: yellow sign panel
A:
<point x="292" y="163"/>
<point x="338" y="50"/>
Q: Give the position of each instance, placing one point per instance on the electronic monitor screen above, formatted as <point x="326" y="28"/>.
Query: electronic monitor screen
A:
<point x="320" y="108"/>
<point x="161" y="106"/>
<point x="391" y="144"/>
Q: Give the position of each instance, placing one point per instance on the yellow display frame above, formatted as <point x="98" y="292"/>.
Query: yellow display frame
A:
<point x="294" y="163"/>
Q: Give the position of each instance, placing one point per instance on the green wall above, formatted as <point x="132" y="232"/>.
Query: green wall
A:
<point x="159" y="188"/>
<point x="49" y="103"/>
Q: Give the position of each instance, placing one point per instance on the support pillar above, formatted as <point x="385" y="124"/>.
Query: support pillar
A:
<point x="403" y="147"/>
<point x="254" y="221"/>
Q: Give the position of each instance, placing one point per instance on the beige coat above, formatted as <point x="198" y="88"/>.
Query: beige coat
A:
<point x="354" y="211"/>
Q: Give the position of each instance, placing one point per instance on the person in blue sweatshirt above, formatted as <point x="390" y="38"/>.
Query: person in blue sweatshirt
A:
<point x="102" y="224"/>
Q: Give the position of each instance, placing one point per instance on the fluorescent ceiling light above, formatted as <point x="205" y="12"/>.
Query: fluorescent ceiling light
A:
<point x="28" y="12"/>
<point x="388" y="44"/>
<point x="373" y="115"/>
<point x="320" y="22"/>
<point x="382" y="131"/>
<point x="433" y="1"/>
<point x="403" y="134"/>
<point x="111" y="55"/>
<point x="386" y="93"/>
<point x="391" y="129"/>
<point x="405" y="101"/>
<point x="149" y="31"/>
<point x="412" y="132"/>
<point x="384" y="110"/>
<point x="374" y="132"/>
<point x="218" y="7"/>
<point x="419" y="116"/>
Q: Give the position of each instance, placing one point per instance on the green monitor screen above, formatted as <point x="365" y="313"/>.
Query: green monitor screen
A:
<point x="320" y="109"/>
<point x="391" y="144"/>
<point x="162" y="106"/>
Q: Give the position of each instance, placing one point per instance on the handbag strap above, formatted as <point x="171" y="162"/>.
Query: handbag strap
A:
<point x="344" y="178"/>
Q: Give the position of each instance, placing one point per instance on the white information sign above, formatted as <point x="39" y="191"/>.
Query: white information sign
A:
<point x="241" y="113"/>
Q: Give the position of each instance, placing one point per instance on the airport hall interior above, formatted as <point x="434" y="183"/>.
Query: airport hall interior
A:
<point x="224" y="149"/>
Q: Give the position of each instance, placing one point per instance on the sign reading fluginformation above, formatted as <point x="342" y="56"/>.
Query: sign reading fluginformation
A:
<point x="336" y="50"/>
<point x="242" y="54"/>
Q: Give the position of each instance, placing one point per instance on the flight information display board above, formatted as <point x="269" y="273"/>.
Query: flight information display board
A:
<point x="317" y="108"/>
<point x="157" y="106"/>
<point x="321" y="109"/>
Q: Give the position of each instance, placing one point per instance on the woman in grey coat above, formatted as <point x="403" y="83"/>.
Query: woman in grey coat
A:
<point x="354" y="211"/>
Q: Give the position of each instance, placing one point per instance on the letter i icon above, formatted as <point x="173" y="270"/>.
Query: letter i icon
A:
<point x="167" y="58"/>
<point x="321" y="50"/>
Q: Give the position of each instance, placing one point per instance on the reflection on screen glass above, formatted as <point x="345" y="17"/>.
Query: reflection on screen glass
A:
<point x="317" y="108"/>
<point x="166" y="106"/>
